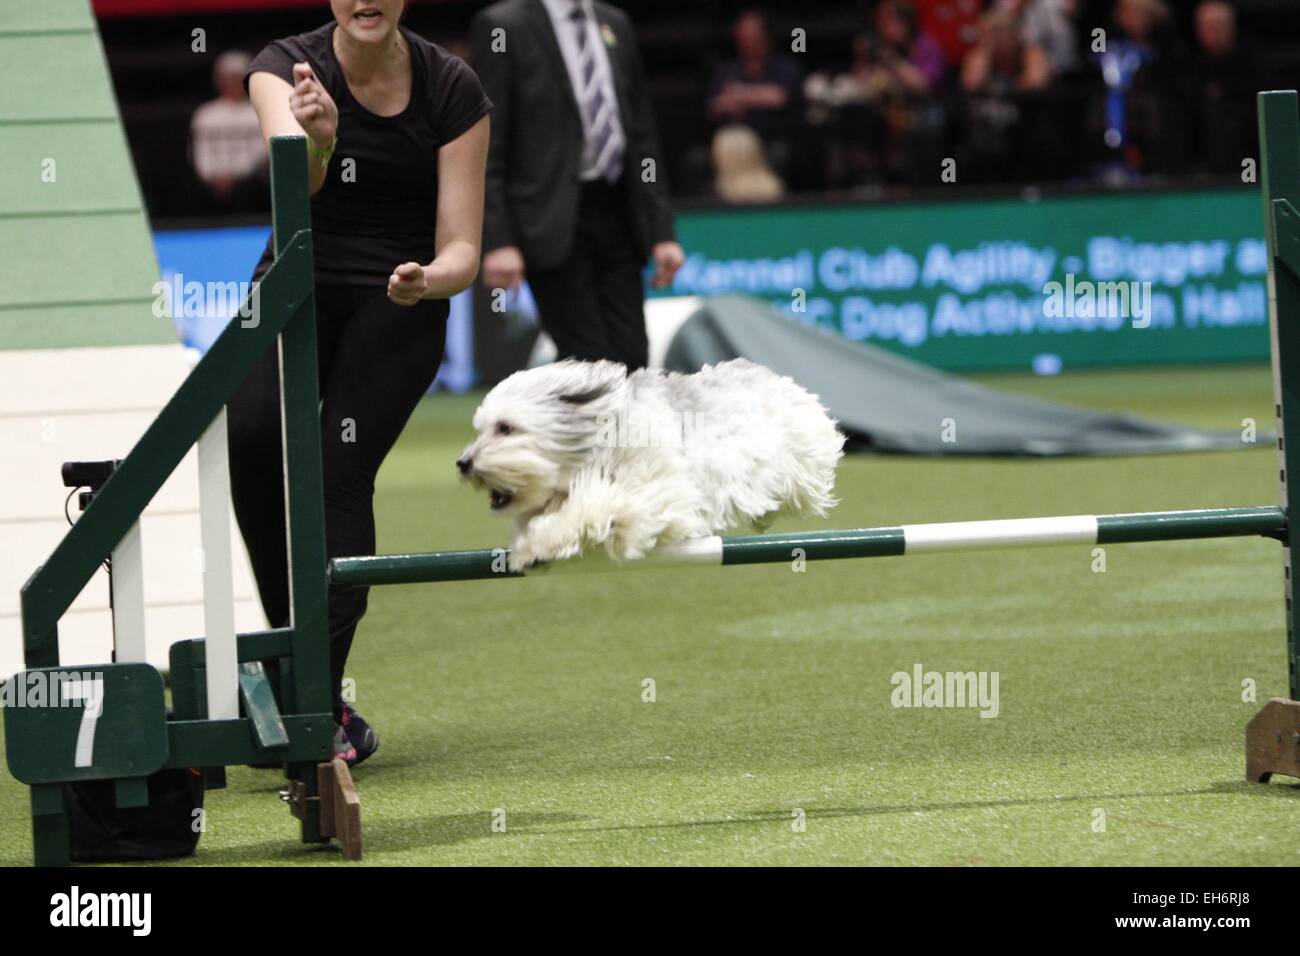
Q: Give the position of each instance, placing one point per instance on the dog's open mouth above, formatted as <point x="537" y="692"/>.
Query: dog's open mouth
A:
<point x="501" y="499"/>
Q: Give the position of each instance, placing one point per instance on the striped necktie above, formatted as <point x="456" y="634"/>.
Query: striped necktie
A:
<point x="599" y="108"/>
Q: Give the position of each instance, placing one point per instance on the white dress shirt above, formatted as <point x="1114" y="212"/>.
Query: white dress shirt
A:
<point x="566" y="33"/>
<point x="227" y="140"/>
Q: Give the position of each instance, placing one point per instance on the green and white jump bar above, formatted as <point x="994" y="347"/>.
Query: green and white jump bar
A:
<point x="1267" y="521"/>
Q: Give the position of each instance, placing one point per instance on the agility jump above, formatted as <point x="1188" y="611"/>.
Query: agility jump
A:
<point x="830" y="545"/>
<point x="264" y="697"/>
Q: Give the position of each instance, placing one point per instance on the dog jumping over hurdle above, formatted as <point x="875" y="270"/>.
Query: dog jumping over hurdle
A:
<point x="584" y="454"/>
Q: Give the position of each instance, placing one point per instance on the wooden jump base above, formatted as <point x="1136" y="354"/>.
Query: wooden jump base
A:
<point x="265" y="698"/>
<point x="338" y="804"/>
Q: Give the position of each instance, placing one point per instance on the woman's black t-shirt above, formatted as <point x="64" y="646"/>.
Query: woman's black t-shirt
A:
<point x="378" y="207"/>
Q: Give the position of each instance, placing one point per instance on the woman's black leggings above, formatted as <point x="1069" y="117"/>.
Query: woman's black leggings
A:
<point x="376" y="360"/>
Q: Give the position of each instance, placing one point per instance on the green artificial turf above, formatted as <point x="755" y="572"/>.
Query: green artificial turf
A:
<point x="1121" y="692"/>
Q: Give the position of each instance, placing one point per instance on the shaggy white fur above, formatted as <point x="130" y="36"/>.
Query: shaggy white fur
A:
<point x="582" y="454"/>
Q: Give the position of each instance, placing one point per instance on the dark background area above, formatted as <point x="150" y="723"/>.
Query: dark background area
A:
<point x="159" y="83"/>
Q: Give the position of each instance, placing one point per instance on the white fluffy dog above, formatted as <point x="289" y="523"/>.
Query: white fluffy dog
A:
<point x="582" y="454"/>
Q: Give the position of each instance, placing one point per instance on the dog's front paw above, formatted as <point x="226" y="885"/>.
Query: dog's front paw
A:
<point x="521" y="558"/>
<point x="543" y="542"/>
<point x="525" y="555"/>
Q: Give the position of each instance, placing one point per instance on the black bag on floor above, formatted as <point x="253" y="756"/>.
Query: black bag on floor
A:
<point x="167" y="827"/>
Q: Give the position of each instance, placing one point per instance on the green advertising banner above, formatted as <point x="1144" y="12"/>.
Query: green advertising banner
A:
<point x="1133" y="278"/>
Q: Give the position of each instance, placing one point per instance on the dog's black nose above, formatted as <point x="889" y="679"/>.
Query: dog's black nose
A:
<point x="464" y="465"/>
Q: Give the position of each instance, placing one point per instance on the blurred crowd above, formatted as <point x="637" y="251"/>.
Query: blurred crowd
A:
<point x="926" y="92"/>
<point x="986" y="91"/>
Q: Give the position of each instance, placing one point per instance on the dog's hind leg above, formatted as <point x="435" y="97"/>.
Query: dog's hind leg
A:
<point x="659" y="510"/>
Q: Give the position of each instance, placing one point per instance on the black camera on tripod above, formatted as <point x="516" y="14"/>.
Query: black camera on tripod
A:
<point x="88" y="474"/>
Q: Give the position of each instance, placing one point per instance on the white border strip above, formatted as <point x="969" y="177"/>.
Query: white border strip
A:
<point x="221" y="666"/>
<point x="695" y="551"/>
<point x="128" y="597"/>
<point x="1007" y="533"/>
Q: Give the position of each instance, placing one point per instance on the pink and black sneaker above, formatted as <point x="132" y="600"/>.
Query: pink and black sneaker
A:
<point x="343" y="749"/>
<point x="360" y="736"/>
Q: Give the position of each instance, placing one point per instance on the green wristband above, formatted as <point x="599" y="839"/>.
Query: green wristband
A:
<point x="321" y="156"/>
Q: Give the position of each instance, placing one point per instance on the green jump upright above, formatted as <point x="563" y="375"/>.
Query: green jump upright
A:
<point x="1279" y="134"/>
<point x="287" y="721"/>
<point x="309" y="689"/>
<point x="1273" y="736"/>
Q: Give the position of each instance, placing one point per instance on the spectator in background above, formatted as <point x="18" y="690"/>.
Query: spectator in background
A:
<point x="859" y="85"/>
<point x="1048" y="25"/>
<point x="226" y="144"/>
<point x="1146" y="25"/>
<point x="1220" y="93"/>
<point x="740" y="168"/>
<point x="854" y="109"/>
<point x="909" y="59"/>
<point x="841" y="108"/>
<point x="1139" y="66"/>
<point x="997" y="76"/>
<point x="954" y="25"/>
<point x="880" y="119"/>
<point x="1216" y="31"/>
<point x="760" y="89"/>
<point x="1003" y="62"/>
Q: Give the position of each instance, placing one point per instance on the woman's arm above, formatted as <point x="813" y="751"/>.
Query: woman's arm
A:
<point x="459" y="228"/>
<point x="285" y="110"/>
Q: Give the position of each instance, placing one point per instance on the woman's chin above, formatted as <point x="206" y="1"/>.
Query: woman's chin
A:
<point x="369" y="35"/>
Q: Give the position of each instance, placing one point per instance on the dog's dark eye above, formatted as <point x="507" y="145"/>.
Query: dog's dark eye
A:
<point x="504" y="428"/>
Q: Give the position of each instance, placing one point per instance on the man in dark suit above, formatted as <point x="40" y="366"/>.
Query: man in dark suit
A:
<point x="575" y="199"/>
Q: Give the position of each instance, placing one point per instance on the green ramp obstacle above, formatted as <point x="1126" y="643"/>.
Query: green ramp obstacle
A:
<point x="69" y="186"/>
<point x="88" y="355"/>
<point x="283" y="713"/>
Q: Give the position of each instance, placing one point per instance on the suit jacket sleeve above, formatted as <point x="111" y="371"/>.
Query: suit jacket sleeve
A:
<point x="494" y="71"/>
<point x="659" y="209"/>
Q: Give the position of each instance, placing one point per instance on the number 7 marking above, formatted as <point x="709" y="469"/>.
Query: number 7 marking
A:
<point x="91" y="692"/>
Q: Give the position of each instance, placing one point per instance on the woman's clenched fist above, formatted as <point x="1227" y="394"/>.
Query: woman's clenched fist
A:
<point x="408" y="284"/>
<point x="313" y="107"/>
